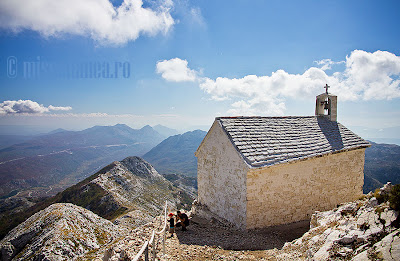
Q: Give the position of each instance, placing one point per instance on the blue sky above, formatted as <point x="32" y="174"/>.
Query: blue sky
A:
<point x="187" y="62"/>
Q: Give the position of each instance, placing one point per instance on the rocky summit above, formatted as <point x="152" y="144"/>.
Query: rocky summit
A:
<point x="130" y="184"/>
<point x="360" y="230"/>
<point x="123" y="186"/>
<point x="60" y="232"/>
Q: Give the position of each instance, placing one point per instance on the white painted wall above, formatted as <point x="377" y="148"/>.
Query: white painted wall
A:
<point x="221" y="176"/>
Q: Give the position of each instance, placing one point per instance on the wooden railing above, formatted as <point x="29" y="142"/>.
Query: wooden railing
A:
<point x="153" y="241"/>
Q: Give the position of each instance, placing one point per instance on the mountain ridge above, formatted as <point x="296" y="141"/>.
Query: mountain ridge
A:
<point x="176" y="153"/>
<point x="163" y="130"/>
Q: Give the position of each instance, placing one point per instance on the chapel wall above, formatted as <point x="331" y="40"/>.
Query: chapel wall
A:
<point x="291" y="192"/>
<point x="221" y="177"/>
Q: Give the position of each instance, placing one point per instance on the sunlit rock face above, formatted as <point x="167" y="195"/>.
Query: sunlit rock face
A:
<point x="61" y="231"/>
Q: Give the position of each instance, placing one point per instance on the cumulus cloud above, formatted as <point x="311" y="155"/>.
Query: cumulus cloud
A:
<point x="366" y="76"/>
<point x="264" y="94"/>
<point x="98" y="19"/>
<point x="176" y="70"/>
<point x="372" y="76"/>
<point x="27" y="107"/>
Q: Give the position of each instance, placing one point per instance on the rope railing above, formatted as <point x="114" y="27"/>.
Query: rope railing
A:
<point x="153" y="242"/>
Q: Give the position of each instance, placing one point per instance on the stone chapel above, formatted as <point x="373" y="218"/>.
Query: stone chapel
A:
<point x="262" y="171"/>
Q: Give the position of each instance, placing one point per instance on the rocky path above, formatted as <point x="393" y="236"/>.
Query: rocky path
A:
<point x="205" y="240"/>
<point x="360" y="230"/>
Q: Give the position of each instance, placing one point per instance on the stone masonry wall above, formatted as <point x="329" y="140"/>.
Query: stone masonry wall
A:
<point x="292" y="192"/>
<point x="221" y="177"/>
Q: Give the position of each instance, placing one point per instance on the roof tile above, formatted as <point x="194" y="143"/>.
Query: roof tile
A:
<point x="266" y="141"/>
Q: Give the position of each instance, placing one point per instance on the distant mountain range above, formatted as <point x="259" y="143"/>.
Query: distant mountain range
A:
<point x="176" y="154"/>
<point x="9" y="140"/>
<point x="382" y="164"/>
<point x="165" y="131"/>
<point x="57" y="160"/>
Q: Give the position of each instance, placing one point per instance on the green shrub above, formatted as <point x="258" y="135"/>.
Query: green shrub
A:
<point x="379" y="197"/>
<point x="394" y="197"/>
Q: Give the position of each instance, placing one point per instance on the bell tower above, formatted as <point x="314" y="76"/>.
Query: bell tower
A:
<point x="326" y="105"/>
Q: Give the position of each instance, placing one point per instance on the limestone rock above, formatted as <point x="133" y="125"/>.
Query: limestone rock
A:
<point x="389" y="216"/>
<point x="389" y="247"/>
<point x="385" y="190"/>
<point x="373" y="202"/>
<point x="59" y="232"/>
<point x="360" y="230"/>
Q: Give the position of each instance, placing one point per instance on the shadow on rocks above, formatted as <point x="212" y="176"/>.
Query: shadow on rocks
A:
<point x="215" y="234"/>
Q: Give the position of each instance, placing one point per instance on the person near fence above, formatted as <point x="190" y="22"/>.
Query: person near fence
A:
<point x="171" y="221"/>
<point x="183" y="220"/>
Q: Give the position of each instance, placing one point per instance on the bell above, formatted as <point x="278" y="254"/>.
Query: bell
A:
<point x="326" y="106"/>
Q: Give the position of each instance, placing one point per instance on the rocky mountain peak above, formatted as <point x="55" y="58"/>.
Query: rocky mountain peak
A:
<point x="140" y="167"/>
<point x="123" y="186"/>
<point x="165" y="131"/>
<point x="147" y="127"/>
<point x="122" y="126"/>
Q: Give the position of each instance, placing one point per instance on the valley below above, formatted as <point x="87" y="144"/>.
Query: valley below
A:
<point x="48" y="164"/>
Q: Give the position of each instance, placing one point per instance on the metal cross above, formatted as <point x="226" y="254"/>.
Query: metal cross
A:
<point x="326" y="87"/>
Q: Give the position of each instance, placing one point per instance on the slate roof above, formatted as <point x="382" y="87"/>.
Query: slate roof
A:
<point x="266" y="141"/>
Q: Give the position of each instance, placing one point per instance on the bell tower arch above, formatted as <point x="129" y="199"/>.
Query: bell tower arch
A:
<point x="326" y="105"/>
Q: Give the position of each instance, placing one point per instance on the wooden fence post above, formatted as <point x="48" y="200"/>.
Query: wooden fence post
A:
<point x="146" y="253"/>
<point x="145" y="248"/>
<point x="163" y="242"/>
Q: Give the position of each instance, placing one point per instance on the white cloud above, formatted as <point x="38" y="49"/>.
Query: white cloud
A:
<point x="255" y="106"/>
<point x="98" y="19"/>
<point x="372" y="76"/>
<point x="326" y="64"/>
<point x="58" y="108"/>
<point x="197" y="17"/>
<point x="27" y="107"/>
<point x="264" y="94"/>
<point x="176" y="70"/>
<point x="367" y="76"/>
<point x="279" y="83"/>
